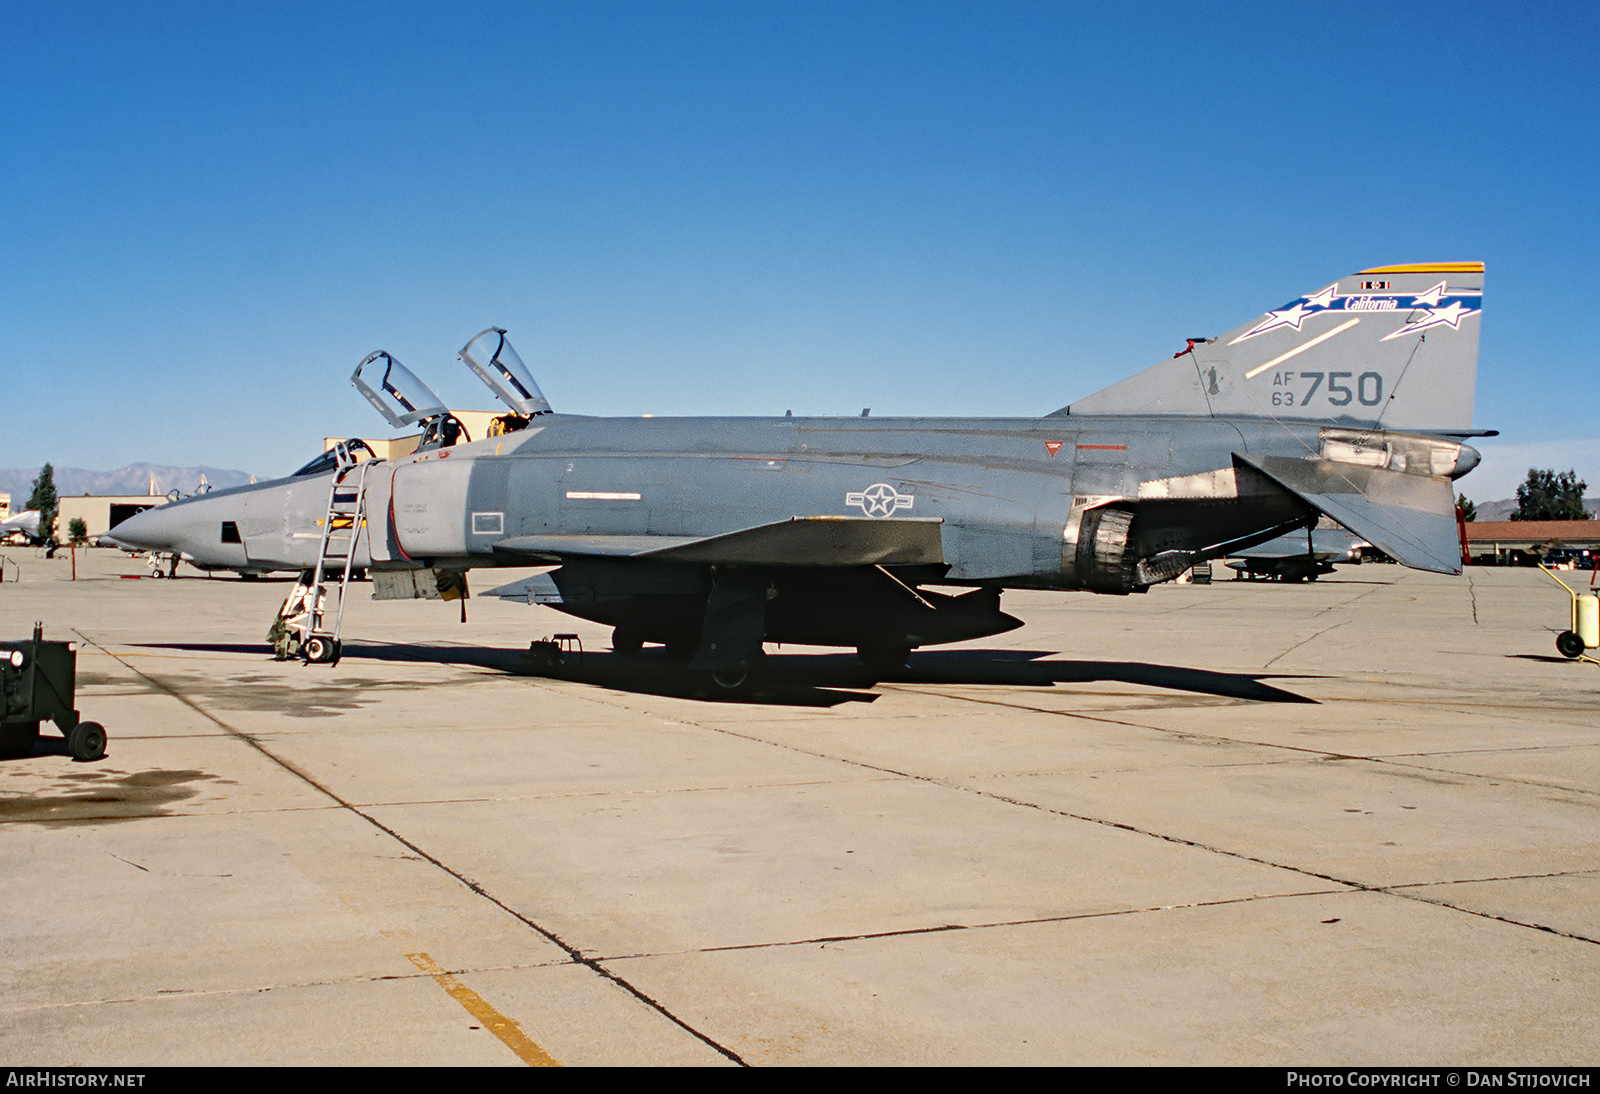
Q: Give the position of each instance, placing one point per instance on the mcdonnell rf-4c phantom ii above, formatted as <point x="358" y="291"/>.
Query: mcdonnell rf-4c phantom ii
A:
<point x="713" y="535"/>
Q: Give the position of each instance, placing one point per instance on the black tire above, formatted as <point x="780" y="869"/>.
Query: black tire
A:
<point x="731" y="679"/>
<point x="1570" y="645"/>
<point x="320" y="650"/>
<point x="87" y="741"/>
<point x="17" y="740"/>
<point x="741" y="680"/>
<point x="626" y="641"/>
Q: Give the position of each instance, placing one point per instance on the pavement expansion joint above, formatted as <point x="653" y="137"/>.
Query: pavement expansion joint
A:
<point x="1402" y="891"/>
<point x="1302" y="642"/>
<point x="1494" y="779"/>
<point x="999" y="924"/>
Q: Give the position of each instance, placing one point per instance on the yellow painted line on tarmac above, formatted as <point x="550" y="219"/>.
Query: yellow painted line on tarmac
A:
<point x="493" y="1021"/>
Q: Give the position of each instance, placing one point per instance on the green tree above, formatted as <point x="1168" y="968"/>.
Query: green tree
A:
<point x="1469" y="511"/>
<point x="77" y="532"/>
<point x="44" y="499"/>
<point x="1549" y="496"/>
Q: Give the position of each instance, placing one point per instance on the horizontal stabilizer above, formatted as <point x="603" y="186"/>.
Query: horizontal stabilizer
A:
<point x="1409" y="517"/>
<point x="799" y="541"/>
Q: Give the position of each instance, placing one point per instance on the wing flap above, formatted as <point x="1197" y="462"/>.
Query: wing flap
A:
<point x="799" y="541"/>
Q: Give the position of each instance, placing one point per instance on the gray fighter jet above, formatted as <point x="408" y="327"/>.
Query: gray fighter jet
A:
<point x="713" y="535"/>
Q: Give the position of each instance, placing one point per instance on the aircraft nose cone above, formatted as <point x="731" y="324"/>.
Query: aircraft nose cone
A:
<point x="151" y="530"/>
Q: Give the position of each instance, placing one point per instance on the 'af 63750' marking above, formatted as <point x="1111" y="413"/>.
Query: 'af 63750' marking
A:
<point x="1336" y="388"/>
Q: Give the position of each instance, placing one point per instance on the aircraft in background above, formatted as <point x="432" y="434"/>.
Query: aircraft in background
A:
<point x="24" y="524"/>
<point x="713" y="535"/>
<point x="1300" y="556"/>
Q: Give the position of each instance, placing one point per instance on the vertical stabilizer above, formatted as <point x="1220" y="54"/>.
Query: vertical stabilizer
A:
<point x="1393" y="347"/>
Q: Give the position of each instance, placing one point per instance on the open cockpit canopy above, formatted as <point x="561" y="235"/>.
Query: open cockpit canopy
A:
<point x="399" y="396"/>
<point x="491" y="357"/>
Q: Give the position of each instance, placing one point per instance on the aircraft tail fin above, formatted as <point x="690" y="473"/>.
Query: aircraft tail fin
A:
<point x="1393" y="347"/>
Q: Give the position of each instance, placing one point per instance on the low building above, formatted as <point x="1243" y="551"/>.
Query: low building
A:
<point x="101" y="512"/>
<point x="1507" y="542"/>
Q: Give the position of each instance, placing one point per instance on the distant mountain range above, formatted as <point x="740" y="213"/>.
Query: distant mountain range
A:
<point x="133" y="479"/>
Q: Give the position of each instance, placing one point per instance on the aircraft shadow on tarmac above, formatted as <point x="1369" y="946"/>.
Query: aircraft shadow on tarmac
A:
<point x="819" y="680"/>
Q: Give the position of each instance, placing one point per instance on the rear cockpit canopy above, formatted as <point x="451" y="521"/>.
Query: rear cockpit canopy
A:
<point x="494" y="362"/>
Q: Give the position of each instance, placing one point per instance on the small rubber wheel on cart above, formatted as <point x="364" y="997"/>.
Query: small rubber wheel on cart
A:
<point x="17" y="740"/>
<point x="322" y="651"/>
<point x="1570" y="644"/>
<point x="87" y="741"/>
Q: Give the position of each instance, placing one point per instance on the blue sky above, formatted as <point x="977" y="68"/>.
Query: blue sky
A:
<point x="214" y="210"/>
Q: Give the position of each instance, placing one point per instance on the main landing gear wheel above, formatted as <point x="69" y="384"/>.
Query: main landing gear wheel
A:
<point x="731" y="679"/>
<point x="1570" y="645"/>
<point x="321" y="650"/>
<point x="740" y="679"/>
<point x="17" y="740"/>
<point x="87" y="741"/>
<point x="626" y="642"/>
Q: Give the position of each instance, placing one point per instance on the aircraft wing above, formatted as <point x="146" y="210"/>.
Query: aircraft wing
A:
<point x="798" y="541"/>
<point x="1409" y="517"/>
